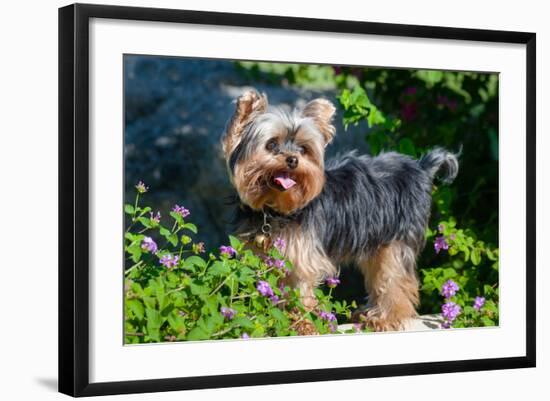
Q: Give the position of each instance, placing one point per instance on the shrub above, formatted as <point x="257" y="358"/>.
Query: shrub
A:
<point x="174" y="292"/>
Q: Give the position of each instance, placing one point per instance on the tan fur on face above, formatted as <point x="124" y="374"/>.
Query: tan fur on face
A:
<point x="392" y="287"/>
<point x="253" y="180"/>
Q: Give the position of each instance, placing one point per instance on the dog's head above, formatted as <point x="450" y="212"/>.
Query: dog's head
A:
<point x="276" y="158"/>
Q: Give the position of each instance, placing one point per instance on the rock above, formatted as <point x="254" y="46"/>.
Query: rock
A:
<point x="175" y="112"/>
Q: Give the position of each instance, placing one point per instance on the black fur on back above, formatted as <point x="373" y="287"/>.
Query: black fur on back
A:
<point x="367" y="202"/>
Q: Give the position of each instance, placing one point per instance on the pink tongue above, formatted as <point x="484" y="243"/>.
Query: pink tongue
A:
<point x="285" y="181"/>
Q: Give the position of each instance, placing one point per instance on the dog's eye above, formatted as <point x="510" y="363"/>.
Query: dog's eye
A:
<point x="271" y="145"/>
<point x="303" y="150"/>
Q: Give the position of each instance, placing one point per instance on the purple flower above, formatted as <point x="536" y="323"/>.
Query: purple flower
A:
<point x="149" y="244"/>
<point x="440" y="244"/>
<point x="199" y="247"/>
<point x="450" y="311"/>
<point x="268" y="260"/>
<point x="332" y="282"/>
<point x="264" y="288"/>
<point x="328" y="316"/>
<point x="409" y="111"/>
<point x="478" y="303"/>
<point x="449" y="289"/>
<point x="228" y="313"/>
<point x="155" y="218"/>
<point x="279" y="263"/>
<point x="182" y="211"/>
<point x="228" y="251"/>
<point x="245" y="336"/>
<point x="169" y="260"/>
<point x="442" y="100"/>
<point x="274" y="299"/>
<point x="411" y="90"/>
<point x="452" y="105"/>
<point x="280" y="244"/>
<point x="357" y="327"/>
<point x="141" y="188"/>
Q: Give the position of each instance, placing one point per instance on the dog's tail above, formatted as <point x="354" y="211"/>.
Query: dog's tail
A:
<point x="440" y="160"/>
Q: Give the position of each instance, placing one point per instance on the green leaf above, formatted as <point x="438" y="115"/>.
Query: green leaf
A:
<point x="176" y="322"/>
<point x="235" y="243"/>
<point x="154" y="321"/>
<point x="195" y="260"/>
<point x="135" y="287"/>
<point x="406" y="146"/>
<point x="197" y="333"/>
<point x="278" y="315"/>
<point x="129" y="209"/>
<point x="219" y="269"/>
<point x="476" y="256"/>
<point x="136" y="307"/>
<point x="191" y="227"/>
<point x="135" y="251"/>
<point x="145" y="222"/>
<point x="431" y="77"/>
<point x="177" y="217"/>
<point x="245" y="275"/>
<point x="173" y="239"/>
<point x="243" y="322"/>
<point x="197" y="289"/>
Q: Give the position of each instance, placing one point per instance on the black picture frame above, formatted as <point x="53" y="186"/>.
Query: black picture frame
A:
<point x="74" y="198"/>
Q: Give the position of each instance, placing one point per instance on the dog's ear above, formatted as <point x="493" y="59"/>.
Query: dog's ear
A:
<point x="321" y="112"/>
<point x="249" y="105"/>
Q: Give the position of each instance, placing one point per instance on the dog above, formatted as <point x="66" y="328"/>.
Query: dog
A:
<point x="355" y="209"/>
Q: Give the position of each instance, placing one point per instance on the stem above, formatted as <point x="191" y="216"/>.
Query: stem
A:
<point x="176" y="289"/>
<point x="174" y="227"/>
<point x="221" y="285"/>
<point x="227" y="330"/>
<point x="134" y="334"/>
<point x="134" y="214"/>
<point x="243" y="296"/>
<point x="135" y="205"/>
<point x="133" y="267"/>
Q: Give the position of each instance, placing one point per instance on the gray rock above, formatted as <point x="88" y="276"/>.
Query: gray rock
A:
<point x="175" y="112"/>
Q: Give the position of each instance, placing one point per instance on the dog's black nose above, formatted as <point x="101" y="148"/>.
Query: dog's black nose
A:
<point x="292" y="162"/>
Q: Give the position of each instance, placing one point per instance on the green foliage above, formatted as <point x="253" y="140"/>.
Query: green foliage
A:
<point x="473" y="265"/>
<point x="208" y="297"/>
<point x="411" y="111"/>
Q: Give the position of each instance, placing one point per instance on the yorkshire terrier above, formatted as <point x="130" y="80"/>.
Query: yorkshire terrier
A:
<point x="355" y="209"/>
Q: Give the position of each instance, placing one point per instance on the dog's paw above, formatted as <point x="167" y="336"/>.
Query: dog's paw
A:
<point x="372" y="319"/>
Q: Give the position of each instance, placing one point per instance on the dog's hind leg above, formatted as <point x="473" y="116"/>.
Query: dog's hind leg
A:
<point x="392" y="286"/>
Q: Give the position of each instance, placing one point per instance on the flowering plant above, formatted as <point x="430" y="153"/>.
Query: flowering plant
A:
<point x="175" y="291"/>
<point x="467" y="278"/>
<point x="411" y="111"/>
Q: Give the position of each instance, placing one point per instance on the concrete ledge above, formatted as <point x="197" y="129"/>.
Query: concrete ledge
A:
<point x="421" y="323"/>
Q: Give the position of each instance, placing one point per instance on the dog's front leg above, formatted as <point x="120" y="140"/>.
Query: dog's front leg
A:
<point x="310" y="266"/>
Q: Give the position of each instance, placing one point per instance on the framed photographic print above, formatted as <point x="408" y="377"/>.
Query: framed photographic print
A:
<point x="290" y="198"/>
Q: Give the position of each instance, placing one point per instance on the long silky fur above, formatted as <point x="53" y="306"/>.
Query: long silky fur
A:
<point x="367" y="202"/>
